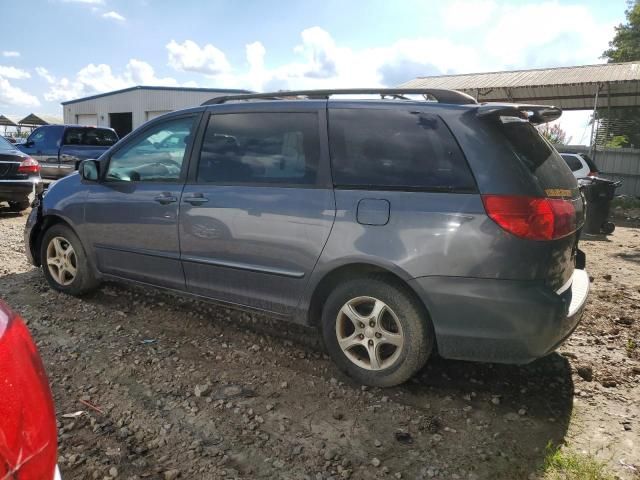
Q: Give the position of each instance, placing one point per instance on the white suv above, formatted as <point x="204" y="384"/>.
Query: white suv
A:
<point x="580" y="164"/>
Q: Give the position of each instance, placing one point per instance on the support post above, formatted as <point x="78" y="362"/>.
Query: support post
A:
<point x="592" y="150"/>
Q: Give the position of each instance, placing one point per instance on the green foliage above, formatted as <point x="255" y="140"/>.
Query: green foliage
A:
<point x="618" y="141"/>
<point x="625" y="46"/>
<point x="563" y="464"/>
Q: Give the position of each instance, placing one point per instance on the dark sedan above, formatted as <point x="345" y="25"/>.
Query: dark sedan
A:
<point x="19" y="176"/>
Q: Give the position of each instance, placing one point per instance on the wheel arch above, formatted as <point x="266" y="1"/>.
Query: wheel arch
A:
<point x="324" y="286"/>
<point x="45" y="224"/>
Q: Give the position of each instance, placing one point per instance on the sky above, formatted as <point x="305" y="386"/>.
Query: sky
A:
<point x="57" y="50"/>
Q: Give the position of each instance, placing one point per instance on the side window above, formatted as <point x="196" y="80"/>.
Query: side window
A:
<point x="260" y="148"/>
<point x="46" y="138"/>
<point x="395" y="149"/>
<point x="574" y="162"/>
<point x="147" y="158"/>
<point x="89" y="136"/>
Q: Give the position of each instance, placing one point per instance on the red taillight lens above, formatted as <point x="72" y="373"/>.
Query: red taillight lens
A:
<point x="592" y="174"/>
<point x="533" y="218"/>
<point x="29" y="165"/>
<point x="28" y="437"/>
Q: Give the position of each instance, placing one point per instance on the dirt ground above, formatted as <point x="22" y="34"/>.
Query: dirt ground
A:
<point x="173" y="388"/>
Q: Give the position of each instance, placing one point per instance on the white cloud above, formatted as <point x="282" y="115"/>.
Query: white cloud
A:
<point x="10" y="53"/>
<point x="13" y="73"/>
<point x="188" y="56"/>
<point x="100" y="78"/>
<point x="113" y="15"/>
<point x="44" y="73"/>
<point x="14" y="96"/>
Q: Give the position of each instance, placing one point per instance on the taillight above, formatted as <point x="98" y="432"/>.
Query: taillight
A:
<point x="29" y="165"/>
<point x="533" y="218"/>
<point x="28" y="436"/>
<point x="592" y="174"/>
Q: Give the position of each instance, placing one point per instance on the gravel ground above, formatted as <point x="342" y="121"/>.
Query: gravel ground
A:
<point x="173" y="388"/>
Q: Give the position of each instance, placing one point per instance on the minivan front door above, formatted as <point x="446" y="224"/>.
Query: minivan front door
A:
<point x="131" y="215"/>
<point x="43" y="145"/>
<point x="258" y="208"/>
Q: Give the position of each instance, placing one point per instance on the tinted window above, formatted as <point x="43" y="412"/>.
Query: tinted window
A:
<point x="574" y="162"/>
<point x="590" y="163"/>
<point x="5" y="145"/>
<point x="395" y="149"/>
<point x="99" y="137"/>
<point x="536" y="153"/>
<point x="149" y="158"/>
<point x="261" y="148"/>
<point x="46" y="138"/>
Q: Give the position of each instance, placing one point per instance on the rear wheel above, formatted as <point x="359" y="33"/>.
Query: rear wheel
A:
<point x="65" y="263"/>
<point x="376" y="332"/>
<point x="19" y="206"/>
<point x="608" y="228"/>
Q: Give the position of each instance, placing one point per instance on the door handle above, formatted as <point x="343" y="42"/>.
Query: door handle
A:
<point x="165" y="199"/>
<point x="197" y="199"/>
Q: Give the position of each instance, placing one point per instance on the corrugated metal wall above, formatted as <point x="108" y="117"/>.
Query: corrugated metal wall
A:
<point x="616" y="163"/>
<point x="139" y="102"/>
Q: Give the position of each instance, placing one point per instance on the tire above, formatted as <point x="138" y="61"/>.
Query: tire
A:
<point x="401" y="315"/>
<point x="608" y="228"/>
<point x="19" y="206"/>
<point x="58" y="272"/>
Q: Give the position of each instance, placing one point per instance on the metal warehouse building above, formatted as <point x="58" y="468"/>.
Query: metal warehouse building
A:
<point x="127" y="109"/>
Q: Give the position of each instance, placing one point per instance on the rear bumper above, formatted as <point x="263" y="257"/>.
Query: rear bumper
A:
<point x="501" y="321"/>
<point x="19" y="190"/>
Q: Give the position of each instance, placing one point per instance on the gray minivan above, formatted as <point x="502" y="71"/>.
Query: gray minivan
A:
<point x="398" y="226"/>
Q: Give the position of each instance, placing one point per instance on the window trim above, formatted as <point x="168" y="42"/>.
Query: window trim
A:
<point x="197" y="118"/>
<point x="323" y="176"/>
<point x="471" y="189"/>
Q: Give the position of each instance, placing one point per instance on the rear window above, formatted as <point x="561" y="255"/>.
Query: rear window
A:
<point x="97" y="137"/>
<point x="544" y="162"/>
<point x="395" y="149"/>
<point x="5" y="145"/>
<point x="573" y="162"/>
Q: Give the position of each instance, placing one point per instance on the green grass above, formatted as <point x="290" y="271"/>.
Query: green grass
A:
<point x="564" y="464"/>
<point x="625" y="202"/>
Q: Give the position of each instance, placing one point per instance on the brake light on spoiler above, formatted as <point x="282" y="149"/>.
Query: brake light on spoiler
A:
<point x="532" y="218"/>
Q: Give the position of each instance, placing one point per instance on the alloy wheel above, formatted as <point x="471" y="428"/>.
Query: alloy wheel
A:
<point x="369" y="333"/>
<point x="61" y="260"/>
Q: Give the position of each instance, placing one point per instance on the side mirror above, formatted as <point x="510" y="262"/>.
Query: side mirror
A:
<point x="28" y="143"/>
<point x="90" y="170"/>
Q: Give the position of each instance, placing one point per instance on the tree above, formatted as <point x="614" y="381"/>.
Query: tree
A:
<point x="554" y="134"/>
<point x="625" y="46"/>
<point x="623" y="126"/>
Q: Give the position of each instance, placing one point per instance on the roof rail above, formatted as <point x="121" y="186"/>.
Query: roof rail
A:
<point x="440" y="94"/>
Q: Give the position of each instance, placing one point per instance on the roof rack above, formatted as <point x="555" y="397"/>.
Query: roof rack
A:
<point x="440" y="94"/>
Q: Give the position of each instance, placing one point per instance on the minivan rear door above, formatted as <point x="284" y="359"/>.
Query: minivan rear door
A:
<point x="258" y="206"/>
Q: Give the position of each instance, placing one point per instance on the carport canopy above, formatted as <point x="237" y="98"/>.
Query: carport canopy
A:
<point x="570" y="88"/>
<point x="7" y="122"/>
<point x="37" y="119"/>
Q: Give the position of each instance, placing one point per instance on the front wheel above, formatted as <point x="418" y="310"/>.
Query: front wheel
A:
<point x="376" y="332"/>
<point x="64" y="262"/>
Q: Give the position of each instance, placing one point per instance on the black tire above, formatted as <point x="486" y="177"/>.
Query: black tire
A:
<point x="608" y="228"/>
<point x="417" y="330"/>
<point x="85" y="280"/>
<point x="19" y="206"/>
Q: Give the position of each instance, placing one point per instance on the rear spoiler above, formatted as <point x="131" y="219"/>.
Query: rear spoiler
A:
<point x="536" y="114"/>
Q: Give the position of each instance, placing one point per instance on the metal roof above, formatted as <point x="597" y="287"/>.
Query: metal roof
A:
<point x="7" y="122"/>
<point x="39" y="119"/>
<point x="146" y="87"/>
<point x="571" y="88"/>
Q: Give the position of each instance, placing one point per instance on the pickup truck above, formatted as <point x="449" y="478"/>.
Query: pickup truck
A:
<point x="59" y="148"/>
